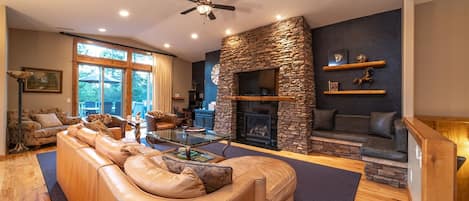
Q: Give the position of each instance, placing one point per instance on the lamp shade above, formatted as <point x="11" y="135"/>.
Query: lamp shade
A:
<point x="17" y="74"/>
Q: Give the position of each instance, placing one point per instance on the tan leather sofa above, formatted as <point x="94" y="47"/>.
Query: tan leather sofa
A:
<point x="83" y="174"/>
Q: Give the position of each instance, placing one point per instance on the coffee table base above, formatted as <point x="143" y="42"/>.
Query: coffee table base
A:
<point x="186" y="156"/>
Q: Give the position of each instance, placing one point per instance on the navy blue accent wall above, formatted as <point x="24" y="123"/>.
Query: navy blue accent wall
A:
<point x="377" y="36"/>
<point x="198" y="74"/>
<point x="211" y="58"/>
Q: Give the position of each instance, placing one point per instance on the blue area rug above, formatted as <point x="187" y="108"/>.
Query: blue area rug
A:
<point x="315" y="182"/>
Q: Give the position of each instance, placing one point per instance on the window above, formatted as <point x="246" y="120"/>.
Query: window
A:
<point x="101" y="52"/>
<point x="111" y="79"/>
<point x="139" y="58"/>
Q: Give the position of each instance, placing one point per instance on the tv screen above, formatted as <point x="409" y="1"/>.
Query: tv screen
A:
<point x="258" y="83"/>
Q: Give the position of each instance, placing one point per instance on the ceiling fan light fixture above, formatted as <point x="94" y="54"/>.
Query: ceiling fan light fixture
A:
<point x="204" y="9"/>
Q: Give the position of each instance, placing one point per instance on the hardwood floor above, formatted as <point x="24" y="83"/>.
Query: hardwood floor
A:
<point x="21" y="177"/>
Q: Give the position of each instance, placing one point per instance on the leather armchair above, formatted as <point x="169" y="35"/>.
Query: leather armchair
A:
<point x="117" y="124"/>
<point x="168" y="121"/>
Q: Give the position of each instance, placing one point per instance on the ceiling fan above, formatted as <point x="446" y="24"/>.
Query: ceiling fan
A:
<point x="204" y="7"/>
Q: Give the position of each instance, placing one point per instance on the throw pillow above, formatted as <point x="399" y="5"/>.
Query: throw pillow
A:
<point x="47" y="120"/>
<point x="157" y="114"/>
<point x="381" y="123"/>
<point x="73" y="129"/>
<point x="214" y="176"/>
<point x="153" y="179"/>
<point x="105" y="118"/>
<point x="98" y="125"/>
<point x="324" y="119"/>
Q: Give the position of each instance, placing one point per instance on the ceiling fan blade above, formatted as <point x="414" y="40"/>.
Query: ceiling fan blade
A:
<point x="224" y="7"/>
<point x="211" y="16"/>
<point x="188" y="10"/>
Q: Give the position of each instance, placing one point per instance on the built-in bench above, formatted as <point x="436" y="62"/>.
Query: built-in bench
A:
<point x="351" y="137"/>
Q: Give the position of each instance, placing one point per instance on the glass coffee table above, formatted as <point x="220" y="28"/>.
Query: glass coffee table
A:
<point x="189" y="140"/>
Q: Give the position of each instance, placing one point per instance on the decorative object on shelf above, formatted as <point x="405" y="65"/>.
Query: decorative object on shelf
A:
<point x="361" y="58"/>
<point x="215" y="73"/>
<point x="21" y="77"/>
<point x="333" y="85"/>
<point x="338" y="57"/>
<point x="367" y="77"/>
<point x="43" y="81"/>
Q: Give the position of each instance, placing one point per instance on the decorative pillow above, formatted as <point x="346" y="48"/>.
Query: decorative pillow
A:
<point x="47" y="120"/>
<point x="381" y="123"/>
<point x="155" y="180"/>
<point x="214" y="176"/>
<point x="73" y="129"/>
<point x="98" y="125"/>
<point x="324" y="119"/>
<point x="157" y="114"/>
<point x="87" y="136"/>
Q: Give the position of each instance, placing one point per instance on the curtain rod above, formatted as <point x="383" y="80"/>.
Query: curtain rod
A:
<point x="112" y="43"/>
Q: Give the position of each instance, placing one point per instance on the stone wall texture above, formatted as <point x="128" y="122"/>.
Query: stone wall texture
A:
<point x="285" y="45"/>
<point x="340" y="150"/>
<point x="390" y="175"/>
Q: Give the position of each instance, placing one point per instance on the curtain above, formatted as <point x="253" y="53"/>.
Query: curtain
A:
<point x="163" y="82"/>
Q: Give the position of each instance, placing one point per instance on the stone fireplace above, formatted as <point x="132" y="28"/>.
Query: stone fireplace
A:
<point x="286" y="46"/>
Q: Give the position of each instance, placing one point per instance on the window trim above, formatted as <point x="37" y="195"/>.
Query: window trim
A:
<point x="128" y="66"/>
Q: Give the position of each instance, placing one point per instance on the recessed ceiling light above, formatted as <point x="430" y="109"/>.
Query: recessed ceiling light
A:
<point x="102" y="30"/>
<point x="279" y="17"/>
<point x="228" y="32"/>
<point x="167" y="45"/>
<point x="124" y="13"/>
<point x="194" y="36"/>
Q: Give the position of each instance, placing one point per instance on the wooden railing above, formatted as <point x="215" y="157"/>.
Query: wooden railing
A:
<point x="455" y="129"/>
<point x="438" y="169"/>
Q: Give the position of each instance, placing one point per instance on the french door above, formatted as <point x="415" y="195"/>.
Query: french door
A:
<point x="141" y="92"/>
<point x="100" y="90"/>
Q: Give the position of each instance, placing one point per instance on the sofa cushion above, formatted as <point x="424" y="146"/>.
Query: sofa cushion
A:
<point x="47" y="120"/>
<point x="341" y="135"/>
<point x="164" y="125"/>
<point x="48" y="132"/>
<point x="98" y="125"/>
<point x="87" y="136"/>
<point x="352" y="123"/>
<point x="214" y="176"/>
<point x="73" y="129"/>
<point x="378" y="147"/>
<point x="153" y="179"/>
<point x="324" y="119"/>
<point x="381" y="123"/>
<point x="115" y="150"/>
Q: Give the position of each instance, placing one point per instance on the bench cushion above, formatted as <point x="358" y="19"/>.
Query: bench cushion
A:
<point x="382" y="148"/>
<point x="342" y="135"/>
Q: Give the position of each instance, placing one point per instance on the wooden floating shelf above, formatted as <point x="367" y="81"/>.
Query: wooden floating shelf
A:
<point x="356" y="92"/>
<point x="374" y="64"/>
<point x="261" y="98"/>
<point x="178" y="98"/>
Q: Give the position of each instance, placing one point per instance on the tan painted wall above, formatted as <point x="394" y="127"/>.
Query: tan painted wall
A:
<point x="441" y="58"/>
<point x="182" y="81"/>
<point x="54" y="51"/>
<point x="3" y="78"/>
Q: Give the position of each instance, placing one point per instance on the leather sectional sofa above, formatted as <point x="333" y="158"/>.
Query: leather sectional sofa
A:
<point x="85" y="174"/>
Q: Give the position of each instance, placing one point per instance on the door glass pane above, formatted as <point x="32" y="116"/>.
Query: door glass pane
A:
<point x="89" y="89"/>
<point x="113" y="91"/>
<point x="101" y="52"/>
<point x="142" y="92"/>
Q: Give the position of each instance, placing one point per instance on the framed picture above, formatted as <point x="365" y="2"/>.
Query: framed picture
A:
<point x="333" y="86"/>
<point x="338" y="57"/>
<point x="43" y="81"/>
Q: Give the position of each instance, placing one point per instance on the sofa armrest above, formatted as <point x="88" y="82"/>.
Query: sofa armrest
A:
<point x="400" y="136"/>
<point x="171" y="118"/>
<point x="30" y="126"/>
<point x="69" y="120"/>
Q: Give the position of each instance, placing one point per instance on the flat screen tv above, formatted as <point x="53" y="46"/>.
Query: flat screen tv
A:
<point x="258" y="83"/>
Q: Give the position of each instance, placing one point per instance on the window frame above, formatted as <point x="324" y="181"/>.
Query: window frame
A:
<point x="128" y="66"/>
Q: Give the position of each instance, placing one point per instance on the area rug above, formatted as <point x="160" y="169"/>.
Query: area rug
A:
<point x="315" y="182"/>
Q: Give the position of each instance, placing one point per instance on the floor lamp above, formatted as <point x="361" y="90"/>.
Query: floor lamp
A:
<point x="20" y="77"/>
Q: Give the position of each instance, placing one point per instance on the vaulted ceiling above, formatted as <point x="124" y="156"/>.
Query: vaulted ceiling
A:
<point x="156" y="22"/>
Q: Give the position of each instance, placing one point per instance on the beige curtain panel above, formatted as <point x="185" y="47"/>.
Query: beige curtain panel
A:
<point x="163" y="81"/>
